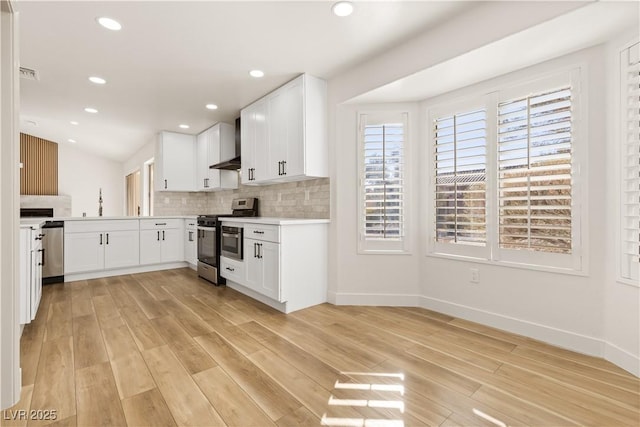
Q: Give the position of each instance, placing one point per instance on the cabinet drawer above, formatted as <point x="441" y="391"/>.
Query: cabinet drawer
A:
<point x="153" y="224"/>
<point x="190" y="224"/>
<point x="269" y="233"/>
<point x="232" y="269"/>
<point x="100" y="226"/>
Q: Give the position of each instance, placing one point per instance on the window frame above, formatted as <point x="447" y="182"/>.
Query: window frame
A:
<point x="624" y="265"/>
<point x="389" y="246"/>
<point x="443" y="110"/>
<point x="574" y="263"/>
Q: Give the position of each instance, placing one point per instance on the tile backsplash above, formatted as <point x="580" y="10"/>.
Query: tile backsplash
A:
<point x="300" y="199"/>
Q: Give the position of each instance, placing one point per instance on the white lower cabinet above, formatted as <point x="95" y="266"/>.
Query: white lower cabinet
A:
<point x="263" y="267"/>
<point x="190" y="242"/>
<point x="284" y="265"/>
<point x="31" y="257"/>
<point x="232" y="269"/>
<point x="98" y="245"/>
<point x="161" y="241"/>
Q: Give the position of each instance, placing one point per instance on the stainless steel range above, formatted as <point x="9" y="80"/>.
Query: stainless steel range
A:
<point x="210" y="234"/>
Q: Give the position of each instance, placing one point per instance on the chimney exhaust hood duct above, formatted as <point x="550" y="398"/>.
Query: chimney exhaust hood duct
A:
<point x="233" y="164"/>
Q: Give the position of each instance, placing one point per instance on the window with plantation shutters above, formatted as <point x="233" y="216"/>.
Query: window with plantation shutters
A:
<point x="505" y="181"/>
<point x="630" y="185"/>
<point x="534" y="144"/>
<point x="382" y="139"/>
<point x="460" y="178"/>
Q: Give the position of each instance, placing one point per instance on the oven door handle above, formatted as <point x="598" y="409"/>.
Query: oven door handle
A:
<point x="234" y="235"/>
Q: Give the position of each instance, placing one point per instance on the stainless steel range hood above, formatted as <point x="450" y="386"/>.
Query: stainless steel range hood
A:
<point x="232" y="164"/>
<point x="229" y="165"/>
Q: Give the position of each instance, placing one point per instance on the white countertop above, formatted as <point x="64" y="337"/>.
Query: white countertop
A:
<point x="275" y="221"/>
<point x="30" y="222"/>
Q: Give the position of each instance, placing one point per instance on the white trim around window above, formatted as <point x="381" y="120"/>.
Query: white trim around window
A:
<point x="629" y="143"/>
<point x="561" y="87"/>
<point x="383" y="176"/>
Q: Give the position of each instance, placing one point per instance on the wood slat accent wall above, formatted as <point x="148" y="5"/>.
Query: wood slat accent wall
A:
<point x="39" y="174"/>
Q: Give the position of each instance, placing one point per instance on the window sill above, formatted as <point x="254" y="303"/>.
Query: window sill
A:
<point x="383" y="252"/>
<point x="510" y="264"/>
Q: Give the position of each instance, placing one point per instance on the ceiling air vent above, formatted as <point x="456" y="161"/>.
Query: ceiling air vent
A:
<point x="29" y="74"/>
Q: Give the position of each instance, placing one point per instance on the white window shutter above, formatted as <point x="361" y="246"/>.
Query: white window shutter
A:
<point x="460" y="178"/>
<point x="534" y="172"/>
<point x="630" y="196"/>
<point x="382" y="148"/>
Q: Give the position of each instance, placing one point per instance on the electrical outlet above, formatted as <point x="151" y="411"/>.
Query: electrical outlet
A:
<point x="306" y="194"/>
<point x="184" y="200"/>
<point x="279" y="197"/>
<point x="475" y="275"/>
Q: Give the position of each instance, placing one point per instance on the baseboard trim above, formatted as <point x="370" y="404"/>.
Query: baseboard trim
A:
<point x="389" y="300"/>
<point x="123" y="271"/>
<point x="559" y="337"/>
<point x="622" y="358"/>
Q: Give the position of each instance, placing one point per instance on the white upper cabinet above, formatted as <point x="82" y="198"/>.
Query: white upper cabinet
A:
<point x="284" y="134"/>
<point x="175" y="162"/>
<point x="215" y="145"/>
<point x="253" y="122"/>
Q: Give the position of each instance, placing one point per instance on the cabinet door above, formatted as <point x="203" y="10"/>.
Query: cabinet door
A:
<point x="178" y="162"/>
<point x="294" y="149"/>
<point x="150" y="246"/>
<point x="202" y="154"/>
<point x="36" y="281"/>
<point x="270" y="257"/>
<point x="253" y="265"/>
<point x="121" y="249"/>
<point x="190" y="246"/>
<point x="25" y="275"/>
<point x="172" y="245"/>
<point x="83" y="252"/>
<point x="277" y="107"/>
<point x="254" y="143"/>
<point x="213" y="156"/>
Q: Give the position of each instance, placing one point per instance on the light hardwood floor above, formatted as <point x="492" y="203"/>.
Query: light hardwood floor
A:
<point x="166" y="348"/>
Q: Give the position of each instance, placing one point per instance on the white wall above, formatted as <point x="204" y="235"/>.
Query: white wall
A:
<point x="572" y="311"/>
<point x="81" y="175"/>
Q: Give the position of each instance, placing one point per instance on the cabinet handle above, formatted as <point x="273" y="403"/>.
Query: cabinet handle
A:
<point x="161" y="223"/>
<point x="260" y="250"/>
<point x="229" y="268"/>
<point x="165" y="184"/>
<point x="191" y="236"/>
<point x="158" y="236"/>
<point x="258" y="232"/>
<point x="43" y="259"/>
<point x="284" y="167"/>
<point x="101" y="238"/>
<point x="255" y="250"/>
<point x="279" y="168"/>
<point x="162" y="234"/>
<point x="107" y="238"/>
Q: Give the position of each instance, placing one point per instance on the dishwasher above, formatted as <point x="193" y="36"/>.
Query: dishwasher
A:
<point x="53" y="252"/>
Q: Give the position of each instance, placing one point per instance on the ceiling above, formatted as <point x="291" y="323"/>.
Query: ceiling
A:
<point x="172" y="58"/>
<point x="587" y="26"/>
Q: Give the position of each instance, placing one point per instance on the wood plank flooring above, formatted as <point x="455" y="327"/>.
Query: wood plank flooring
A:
<point x="166" y="348"/>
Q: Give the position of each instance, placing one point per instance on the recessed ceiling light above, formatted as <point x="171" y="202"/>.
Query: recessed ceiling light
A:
<point x="342" y="8"/>
<point x="211" y="107"/>
<point x="184" y="126"/>
<point x="74" y="123"/>
<point x="73" y="141"/>
<point x="91" y="110"/>
<point x="108" y="23"/>
<point x="256" y="73"/>
<point x="97" y="80"/>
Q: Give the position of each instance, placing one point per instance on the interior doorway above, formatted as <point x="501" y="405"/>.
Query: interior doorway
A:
<point x="133" y="193"/>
